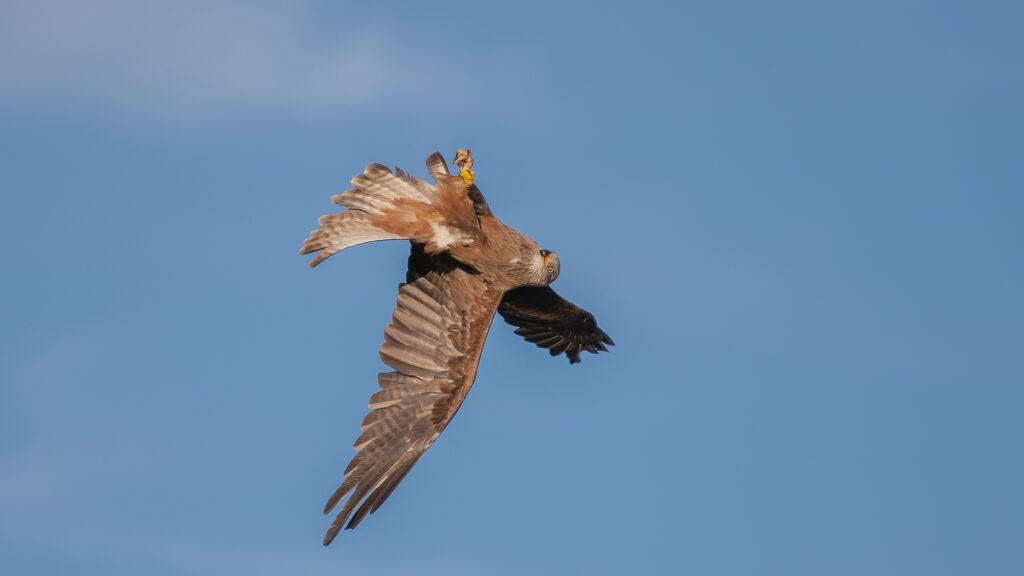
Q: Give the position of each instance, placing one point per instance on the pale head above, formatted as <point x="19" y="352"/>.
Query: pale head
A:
<point x="549" y="267"/>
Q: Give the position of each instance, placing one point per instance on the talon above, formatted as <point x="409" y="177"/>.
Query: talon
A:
<point x="464" y="160"/>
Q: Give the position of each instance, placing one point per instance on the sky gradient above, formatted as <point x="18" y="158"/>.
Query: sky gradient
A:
<point x="801" y="224"/>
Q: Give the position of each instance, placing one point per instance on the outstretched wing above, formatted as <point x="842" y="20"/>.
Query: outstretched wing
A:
<point x="550" y="321"/>
<point x="434" y="341"/>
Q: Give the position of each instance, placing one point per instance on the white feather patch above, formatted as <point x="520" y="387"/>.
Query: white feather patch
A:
<point x="445" y="236"/>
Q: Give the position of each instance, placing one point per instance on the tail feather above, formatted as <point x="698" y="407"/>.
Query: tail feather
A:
<point x="437" y="166"/>
<point x="378" y="181"/>
<point x="355" y="199"/>
<point x="386" y="205"/>
<point x="340" y="231"/>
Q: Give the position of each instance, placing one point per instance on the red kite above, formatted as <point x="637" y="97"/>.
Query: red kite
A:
<point x="464" y="267"/>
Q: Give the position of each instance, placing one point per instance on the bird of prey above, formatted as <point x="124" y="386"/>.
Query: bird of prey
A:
<point x="465" y="265"/>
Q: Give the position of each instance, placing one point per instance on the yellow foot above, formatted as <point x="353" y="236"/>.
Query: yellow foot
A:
<point x="464" y="160"/>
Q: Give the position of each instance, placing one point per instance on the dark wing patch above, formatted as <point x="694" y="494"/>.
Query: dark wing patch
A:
<point x="479" y="203"/>
<point x="433" y="344"/>
<point x="550" y="321"/>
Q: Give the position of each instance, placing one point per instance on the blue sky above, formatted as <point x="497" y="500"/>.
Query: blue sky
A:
<point x="800" y="222"/>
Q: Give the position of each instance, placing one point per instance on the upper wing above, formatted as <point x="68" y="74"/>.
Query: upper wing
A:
<point x="550" y="321"/>
<point x="434" y="341"/>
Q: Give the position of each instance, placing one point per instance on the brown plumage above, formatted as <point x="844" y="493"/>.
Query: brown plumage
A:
<point x="465" y="265"/>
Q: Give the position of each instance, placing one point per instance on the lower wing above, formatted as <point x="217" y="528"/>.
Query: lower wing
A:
<point x="433" y="343"/>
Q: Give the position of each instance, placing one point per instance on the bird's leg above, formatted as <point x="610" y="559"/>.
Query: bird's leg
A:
<point x="464" y="160"/>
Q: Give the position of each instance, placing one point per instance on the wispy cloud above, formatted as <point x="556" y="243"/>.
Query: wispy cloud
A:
<point x="188" y="60"/>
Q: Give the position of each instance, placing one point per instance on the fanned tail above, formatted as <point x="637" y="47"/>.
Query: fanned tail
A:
<point x="386" y="205"/>
<point x="340" y="231"/>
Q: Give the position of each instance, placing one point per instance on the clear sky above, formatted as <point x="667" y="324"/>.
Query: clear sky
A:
<point x="801" y="222"/>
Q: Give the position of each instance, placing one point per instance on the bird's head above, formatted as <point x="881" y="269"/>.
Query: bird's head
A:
<point x="549" y="267"/>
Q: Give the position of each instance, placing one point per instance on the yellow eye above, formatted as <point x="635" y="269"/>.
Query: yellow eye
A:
<point x="550" y="269"/>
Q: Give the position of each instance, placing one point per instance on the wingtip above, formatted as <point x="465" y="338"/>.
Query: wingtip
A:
<point x="306" y="250"/>
<point x="332" y="532"/>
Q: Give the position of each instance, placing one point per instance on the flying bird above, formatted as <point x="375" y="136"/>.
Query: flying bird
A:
<point x="465" y="265"/>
